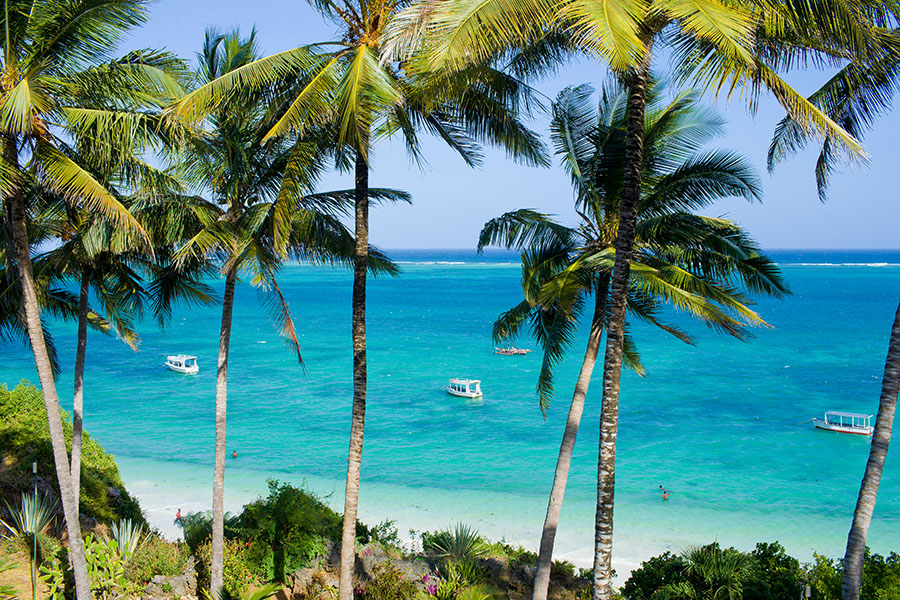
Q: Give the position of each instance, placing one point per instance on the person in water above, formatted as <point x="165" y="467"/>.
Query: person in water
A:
<point x="234" y="454"/>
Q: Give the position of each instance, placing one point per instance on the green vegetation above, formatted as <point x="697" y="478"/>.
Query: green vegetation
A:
<point x="75" y="126"/>
<point x="286" y="530"/>
<point x="24" y="438"/>
<point x="389" y="583"/>
<point x="766" y="573"/>
<point x="156" y="556"/>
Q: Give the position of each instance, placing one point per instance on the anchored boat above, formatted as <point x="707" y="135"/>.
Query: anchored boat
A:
<point x="511" y="351"/>
<point x="467" y="388"/>
<point x="845" y="422"/>
<point x="183" y="363"/>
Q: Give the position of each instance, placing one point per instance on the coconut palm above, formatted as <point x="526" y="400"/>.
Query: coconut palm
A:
<point x="689" y="261"/>
<point x="718" y="46"/>
<point x="868" y="490"/>
<point x="259" y="212"/>
<point x="364" y="99"/>
<point x="95" y="254"/>
<point x="56" y="53"/>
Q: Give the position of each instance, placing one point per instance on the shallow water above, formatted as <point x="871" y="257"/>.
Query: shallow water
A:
<point x="719" y="422"/>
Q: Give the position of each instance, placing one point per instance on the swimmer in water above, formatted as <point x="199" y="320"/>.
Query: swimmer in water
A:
<point x="234" y="454"/>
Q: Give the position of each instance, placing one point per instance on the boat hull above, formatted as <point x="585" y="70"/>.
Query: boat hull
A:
<point x="453" y="392"/>
<point x="184" y="370"/>
<point x="820" y="424"/>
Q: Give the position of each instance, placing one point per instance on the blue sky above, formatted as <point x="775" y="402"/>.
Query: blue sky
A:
<point x="452" y="201"/>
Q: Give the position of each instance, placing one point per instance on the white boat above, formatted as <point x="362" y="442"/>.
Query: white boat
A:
<point x="183" y="363"/>
<point x="467" y="388"/>
<point x="511" y="351"/>
<point x="845" y="422"/>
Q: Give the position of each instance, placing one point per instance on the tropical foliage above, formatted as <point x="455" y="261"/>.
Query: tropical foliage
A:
<point x="696" y="264"/>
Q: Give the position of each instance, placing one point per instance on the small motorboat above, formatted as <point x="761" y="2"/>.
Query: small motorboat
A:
<point x="511" y="351"/>
<point x="467" y="388"/>
<point x="183" y="363"/>
<point x="844" y="422"/>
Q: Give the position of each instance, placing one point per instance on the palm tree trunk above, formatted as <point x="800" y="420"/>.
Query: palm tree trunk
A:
<point x="561" y="475"/>
<point x="78" y="396"/>
<point x="45" y="375"/>
<point x="354" y="459"/>
<point x="881" y="438"/>
<point x="615" y="327"/>
<point x="216" y="569"/>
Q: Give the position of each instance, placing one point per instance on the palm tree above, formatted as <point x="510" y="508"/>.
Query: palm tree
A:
<point x="364" y="99"/>
<point x="94" y="253"/>
<point x="868" y="489"/>
<point x="855" y="97"/>
<point x="53" y="53"/>
<point x="711" y="573"/>
<point x="718" y="45"/>
<point x="688" y="260"/>
<point x="256" y="184"/>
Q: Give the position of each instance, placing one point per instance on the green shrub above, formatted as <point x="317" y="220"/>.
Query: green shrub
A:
<point x="386" y="534"/>
<point x="389" y="583"/>
<point x="562" y="572"/>
<point x="653" y="574"/>
<point x="156" y="556"/>
<point x="519" y="557"/>
<point x="285" y="531"/>
<point x="466" y="572"/>
<point x="236" y="575"/>
<point x="775" y="574"/>
<point x="24" y="438"/>
<point x="461" y="544"/>
<point x="106" y="570"/>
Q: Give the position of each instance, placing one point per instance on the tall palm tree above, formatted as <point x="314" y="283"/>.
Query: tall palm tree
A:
<point x="691" y="261"/>
<point x="53" y="56"/>
<point x="94" y="253"/>
<point x="855" y="97"/>
<point x="718" y="45"/>
<point x="259" y="190"/>
<point x="365" y="98"/>
<point x="868" y="489"/>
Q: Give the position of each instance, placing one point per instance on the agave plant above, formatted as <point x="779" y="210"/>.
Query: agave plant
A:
<point x="30" y="520"/>
<point x="36" y="513"/>
<point x="128" y="535"/>
<point x="7" y="592"/>
<point x="266" y="591"/>
<point x="460" y="545"/>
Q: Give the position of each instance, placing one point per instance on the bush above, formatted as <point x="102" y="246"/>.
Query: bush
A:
<point x="461" y="544"/>
<point x="236" y="575"/>
<point x="24" y="438"/>
<point x="653" y="574"/>
<point x="775" y="574"/>
<point x="286" y="531"/>
<point x="389" y="583"/>
<point x="156" y="556"/>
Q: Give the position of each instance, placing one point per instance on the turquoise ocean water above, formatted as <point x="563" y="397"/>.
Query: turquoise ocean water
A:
<point x="719" y="422"/>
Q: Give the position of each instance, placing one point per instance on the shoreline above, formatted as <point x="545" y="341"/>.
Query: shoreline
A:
<point x="641" y="531"/>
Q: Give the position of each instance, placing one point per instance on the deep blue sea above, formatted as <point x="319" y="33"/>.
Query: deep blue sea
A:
<point x="722" y="423"/>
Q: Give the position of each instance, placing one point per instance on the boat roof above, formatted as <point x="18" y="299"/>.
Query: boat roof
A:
<point x="838" y="413"/>
<point x="180" y="357"/>
<point x="465" y="381"/>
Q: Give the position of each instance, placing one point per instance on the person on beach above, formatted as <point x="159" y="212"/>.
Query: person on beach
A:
<point x="178" y="517"/>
